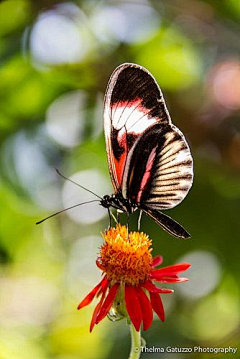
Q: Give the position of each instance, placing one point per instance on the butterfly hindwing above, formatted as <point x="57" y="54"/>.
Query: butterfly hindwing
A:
<point x="133" y="103"/>
<point x="158" y="173"/>
<point x="167" y="223"/>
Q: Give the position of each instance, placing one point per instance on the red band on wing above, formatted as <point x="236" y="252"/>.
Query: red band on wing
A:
<point x="120" y="163"/>
<point x="147" y="173"/>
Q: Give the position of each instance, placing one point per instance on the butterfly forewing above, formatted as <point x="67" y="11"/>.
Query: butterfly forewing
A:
<point x="133" y="103"/>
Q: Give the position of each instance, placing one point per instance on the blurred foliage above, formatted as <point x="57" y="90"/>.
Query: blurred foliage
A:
<point x="49" y="51"/>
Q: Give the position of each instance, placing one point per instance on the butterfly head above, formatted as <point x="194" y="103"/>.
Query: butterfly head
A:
<point x="106" y="201"/>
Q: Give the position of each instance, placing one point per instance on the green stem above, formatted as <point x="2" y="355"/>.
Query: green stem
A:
<point x="135" y="343"/>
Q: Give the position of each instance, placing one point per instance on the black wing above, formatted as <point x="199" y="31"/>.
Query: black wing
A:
<point x="167" y="223"/>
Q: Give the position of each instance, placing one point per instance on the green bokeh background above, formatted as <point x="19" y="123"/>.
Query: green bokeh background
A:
<point x="193" y="49"/>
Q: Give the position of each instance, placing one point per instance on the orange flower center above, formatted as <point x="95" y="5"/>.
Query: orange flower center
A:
<point x="125" y="257"/>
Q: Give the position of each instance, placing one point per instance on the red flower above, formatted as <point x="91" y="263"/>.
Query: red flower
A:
<point x="127" y="285"/>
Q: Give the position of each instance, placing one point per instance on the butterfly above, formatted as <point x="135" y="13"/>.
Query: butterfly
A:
<point x="149" y="160"/>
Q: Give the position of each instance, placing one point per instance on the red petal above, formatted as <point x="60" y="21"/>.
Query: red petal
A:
<point x="171" y="270"/>
<point x="95" y="313"/>
<point x="146" y="308"/>
<point x="171" y="279"/>
<point x="89" y="298"/>
<point x="133" y="306"/>
<point x="98" y="263"/>
<point x="152" y="288"/>
<point x="157" y="261"/>
<point x="107" y="303"/>
<point x="97" y="309"/>
<point x="104" y="286"/>
<point x="157" y="305"/>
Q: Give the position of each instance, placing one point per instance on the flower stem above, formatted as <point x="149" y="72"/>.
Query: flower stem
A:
<point x="135" y="343"/>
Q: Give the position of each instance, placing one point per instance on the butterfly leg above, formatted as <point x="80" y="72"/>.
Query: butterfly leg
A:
<point x="139" y="220"/>
<point x="127" y="224"/>
<point x="110" y="218"/>
<point x="115" y="220"/>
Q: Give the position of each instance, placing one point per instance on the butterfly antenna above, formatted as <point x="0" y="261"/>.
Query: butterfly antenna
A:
<point x="68" y="179"/>
<point x="66" y="209"/>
